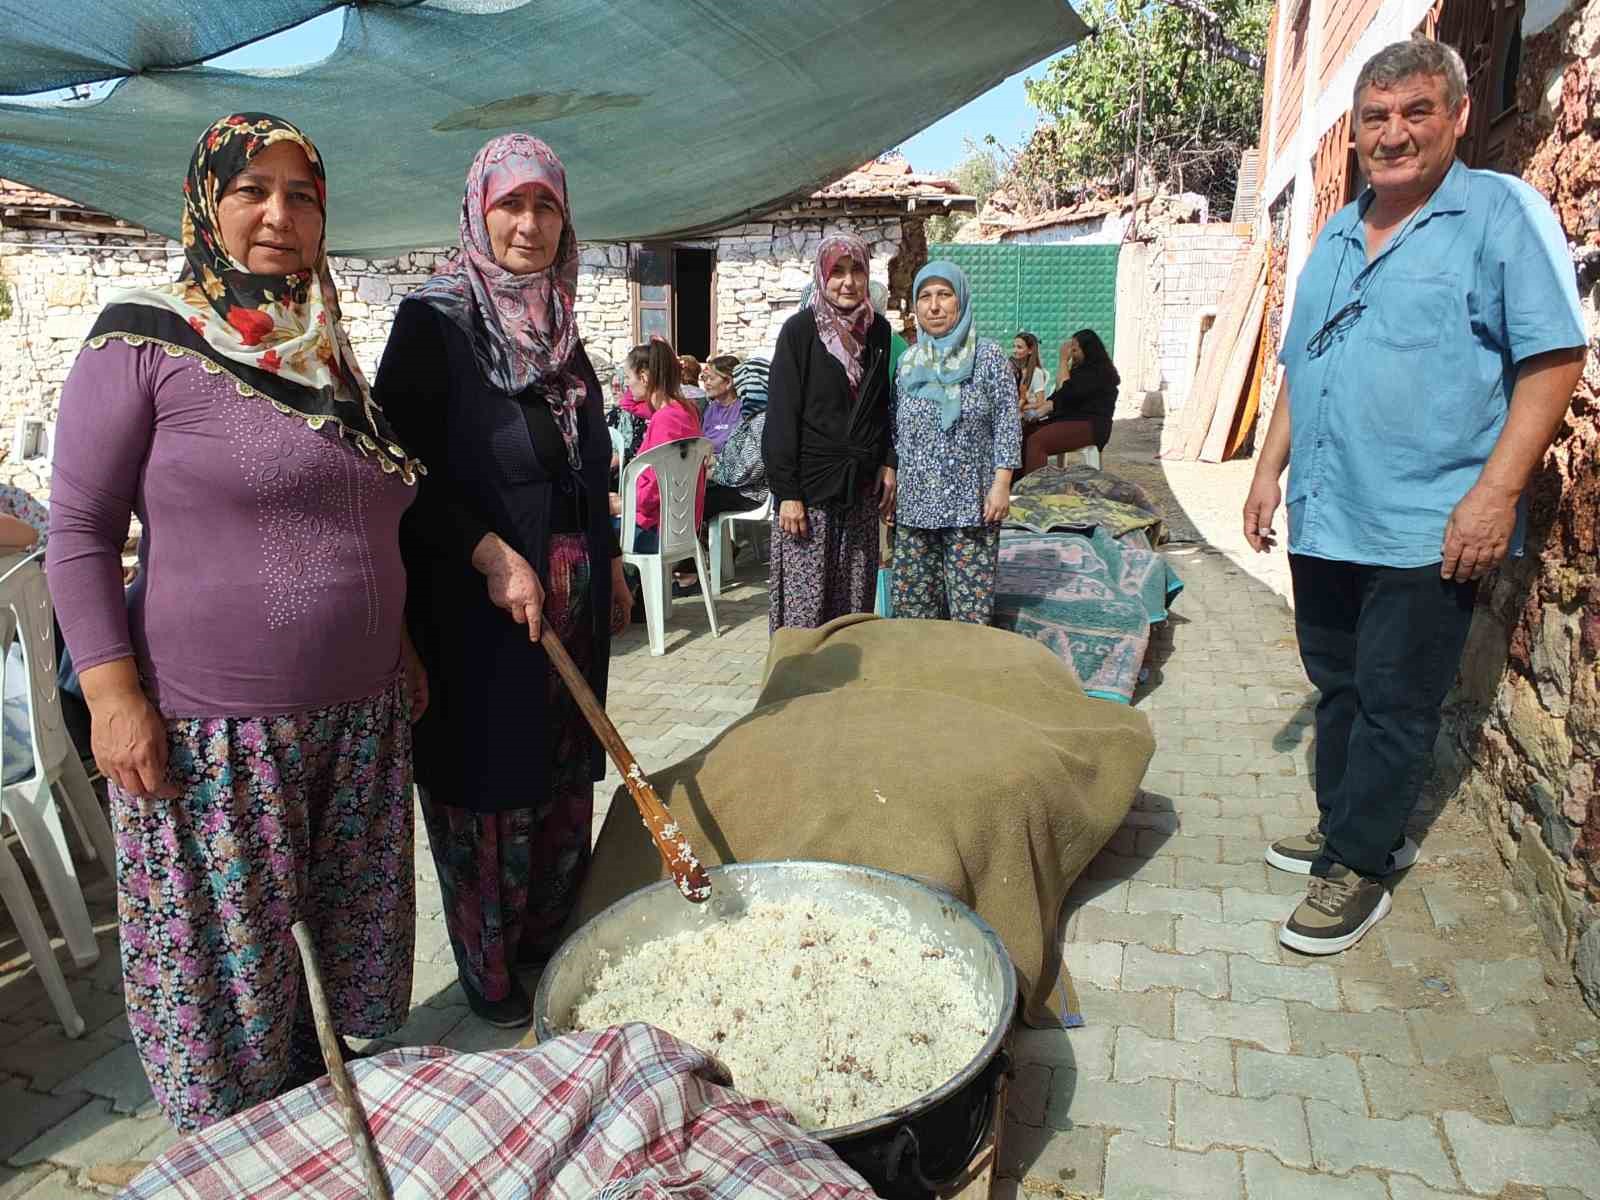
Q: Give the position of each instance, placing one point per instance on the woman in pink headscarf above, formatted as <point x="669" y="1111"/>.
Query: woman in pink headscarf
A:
<point x="488" y="379"/>
<point x="827" y="444"/>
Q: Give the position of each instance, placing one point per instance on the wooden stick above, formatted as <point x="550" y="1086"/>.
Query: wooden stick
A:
<point x="674" y="847"/>
<point x="355" y="1118"/>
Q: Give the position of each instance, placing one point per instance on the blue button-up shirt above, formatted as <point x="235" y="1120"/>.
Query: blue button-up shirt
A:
<point x="1392" y="422"/>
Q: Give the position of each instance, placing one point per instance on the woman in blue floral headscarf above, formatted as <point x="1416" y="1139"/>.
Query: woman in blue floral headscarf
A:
<point x="958" y="436"/>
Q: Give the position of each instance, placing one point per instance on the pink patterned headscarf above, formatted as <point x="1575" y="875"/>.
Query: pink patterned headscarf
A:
<point x="523" y="330"/>
<point x="843" y="332"/>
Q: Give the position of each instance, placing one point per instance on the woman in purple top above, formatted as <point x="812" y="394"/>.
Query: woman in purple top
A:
<point x="722" y="413"/>
<point x="251" y="697"/>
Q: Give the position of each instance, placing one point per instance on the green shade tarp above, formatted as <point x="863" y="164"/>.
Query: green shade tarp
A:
<point x="671" y="116"/>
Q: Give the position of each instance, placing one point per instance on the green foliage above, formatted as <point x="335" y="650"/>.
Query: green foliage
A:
<point x="1198" y="109"/>
<point x="5" y="299"/>
<point x="977" y="174"/>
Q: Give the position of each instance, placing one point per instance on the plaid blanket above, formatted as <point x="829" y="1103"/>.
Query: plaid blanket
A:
<point x="628" y="1112"/>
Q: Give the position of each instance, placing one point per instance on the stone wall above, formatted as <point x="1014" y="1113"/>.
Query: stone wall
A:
<point x="58" y="282"/>
<point x="762" y="268"/>
<point x="1521" y="742"/>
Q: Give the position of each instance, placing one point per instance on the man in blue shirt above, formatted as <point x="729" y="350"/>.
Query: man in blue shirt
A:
<point x="1430" y="358"/>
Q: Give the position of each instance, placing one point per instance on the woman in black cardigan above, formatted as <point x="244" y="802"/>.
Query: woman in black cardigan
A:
<point x="830" y="458"/>
<point x="1079" y="412"/>
<point x="511" y="529"/>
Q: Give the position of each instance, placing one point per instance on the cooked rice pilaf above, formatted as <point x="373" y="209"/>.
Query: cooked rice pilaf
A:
<point x="836" y="1018"/>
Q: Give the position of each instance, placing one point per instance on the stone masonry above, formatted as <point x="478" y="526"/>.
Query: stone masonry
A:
<point x="58" y="282"/>
<point x="1522" y="732"/>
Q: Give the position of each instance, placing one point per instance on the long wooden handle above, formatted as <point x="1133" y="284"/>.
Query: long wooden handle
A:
<point x="675" y="850"/>
<point x="355" y="1117"/>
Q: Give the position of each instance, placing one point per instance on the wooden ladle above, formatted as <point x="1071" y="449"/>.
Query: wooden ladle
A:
<point x="675" y="850"/>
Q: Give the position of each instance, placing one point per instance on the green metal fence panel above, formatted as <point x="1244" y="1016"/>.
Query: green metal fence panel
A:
<point x="1052" y="291"/>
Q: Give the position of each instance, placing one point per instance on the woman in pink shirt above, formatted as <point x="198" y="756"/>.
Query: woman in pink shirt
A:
<point x="652" y="374"/>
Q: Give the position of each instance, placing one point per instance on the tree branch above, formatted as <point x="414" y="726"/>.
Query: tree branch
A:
<point x="1248" y="59"/>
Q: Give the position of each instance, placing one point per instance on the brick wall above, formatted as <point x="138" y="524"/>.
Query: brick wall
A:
<point x="1193" y="267"/>
<point x="1342" y="28"/>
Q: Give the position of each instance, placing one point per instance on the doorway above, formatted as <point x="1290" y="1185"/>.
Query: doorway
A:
<point x="695" y="274"/>
<point x="675" y="296"/>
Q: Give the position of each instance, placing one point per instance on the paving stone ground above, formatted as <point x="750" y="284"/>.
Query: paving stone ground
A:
<point x="1443" y="1057"/>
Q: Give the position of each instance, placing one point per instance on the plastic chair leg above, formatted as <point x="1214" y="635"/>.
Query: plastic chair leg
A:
<point x="32" y="809"/>
<point x="653" y="582"/>
<point x="1091" y="456"/>
<point x="719" y="532"/>
<point x="705" y="592"/>
<point x="723" y="567"/>
<point x="78" y="793"/>
<point x="24" y="914"/>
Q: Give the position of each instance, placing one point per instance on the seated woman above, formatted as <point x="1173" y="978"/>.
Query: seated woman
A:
<point x="1081" y="408"/>
<point x="1033" y="381"/>
<point x="738" y="478"/>
<point x="652" y="372"/>
<point x="689" y="381"/>
<point x="723" y="409"/>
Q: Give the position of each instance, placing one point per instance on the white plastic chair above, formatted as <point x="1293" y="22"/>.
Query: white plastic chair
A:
<point x="619" y="446"/>
<point x="722" y="541"/>
<point x="1091" y="457"/>
<point x="677" y="466"/>
<point x="30" y="805"/>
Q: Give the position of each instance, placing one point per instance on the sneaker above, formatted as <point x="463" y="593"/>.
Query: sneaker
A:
<point x="1296" y="854"/>
<point x="513" y="1012"/>
<point x="1337" y="911"/>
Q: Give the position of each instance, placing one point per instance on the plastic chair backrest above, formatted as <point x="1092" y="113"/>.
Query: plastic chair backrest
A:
<point x="619" y="446"/>
<point x="678" y="466"/>
<point x="25" y="599"/>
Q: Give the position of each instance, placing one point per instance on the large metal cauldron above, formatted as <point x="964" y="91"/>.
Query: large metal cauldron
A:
<point x="910" y="1152"/>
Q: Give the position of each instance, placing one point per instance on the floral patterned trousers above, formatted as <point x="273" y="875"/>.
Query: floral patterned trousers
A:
<point x="306" y="815"/>
<point x="946" y="573"/>
<point x="509" y="879"/>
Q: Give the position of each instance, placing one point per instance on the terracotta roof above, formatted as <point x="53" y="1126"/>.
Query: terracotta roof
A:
<point x="887" y="180"/>
<point x="20" y="195"/>
<point x="998" y="218"/>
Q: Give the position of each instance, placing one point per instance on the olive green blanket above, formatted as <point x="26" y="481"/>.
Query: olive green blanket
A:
<point x="966" y="756"/>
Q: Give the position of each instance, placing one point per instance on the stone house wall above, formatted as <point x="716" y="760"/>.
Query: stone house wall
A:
<point x="762" y="269"/>
<point x="1521" y="739"/>
<point x="58" y="281"/>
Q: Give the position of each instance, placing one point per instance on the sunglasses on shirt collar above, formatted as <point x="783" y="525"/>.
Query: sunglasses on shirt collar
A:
<point x="1317" y="344"/>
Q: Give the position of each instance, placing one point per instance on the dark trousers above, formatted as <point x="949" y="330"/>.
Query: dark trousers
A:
<point x="1381" y="645"/>
<point x="720" y="499"/>
<point x="1053" y="437"/>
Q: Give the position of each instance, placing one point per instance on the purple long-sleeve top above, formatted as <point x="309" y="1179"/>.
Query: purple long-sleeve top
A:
<point x="719" y="421"/>
<point x="270" y="579"/>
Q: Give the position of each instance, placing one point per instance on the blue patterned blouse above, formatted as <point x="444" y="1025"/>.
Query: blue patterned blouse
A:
<point x="944" y="476"/>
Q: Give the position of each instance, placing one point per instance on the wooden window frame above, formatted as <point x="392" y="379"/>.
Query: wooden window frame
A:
<point x="640" y="305"/>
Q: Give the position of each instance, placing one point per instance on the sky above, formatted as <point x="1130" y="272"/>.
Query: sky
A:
<point x="1003" y="110"/>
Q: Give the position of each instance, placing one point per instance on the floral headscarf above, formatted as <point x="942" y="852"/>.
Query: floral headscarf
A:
<point x="934" y="368"/>
<point x="278" y="335"/>
<point x="522" y="328"/>
<point x="842" y="333"/>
